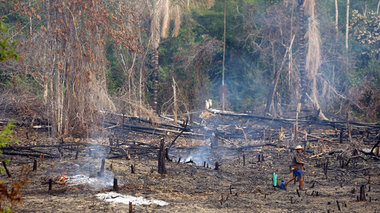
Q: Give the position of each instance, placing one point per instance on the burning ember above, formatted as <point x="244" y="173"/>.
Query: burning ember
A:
<point x="62" y="178"/>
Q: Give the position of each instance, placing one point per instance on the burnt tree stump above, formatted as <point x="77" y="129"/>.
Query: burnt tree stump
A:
<point x="216" y="166"/>
<point x="130" y="207"/>
<point x="77" y="154"/>
<point x="35" y="165"/>
<point x="362" y="193"/>
<point x="326" y="167"/>
<point x="115" y="186"/>
<point x="337" y="203"/>
<point x="50" y="184"/>
<point x="161" y="158"/>
<point x="132" y="169"/>
<point x="167" y="154"/>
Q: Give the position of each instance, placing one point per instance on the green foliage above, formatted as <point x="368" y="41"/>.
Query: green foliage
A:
<point x="366" y="30"/>
<point x="7" y="49"/>
<point x="6" y="136"/>
<point x="10" y="195"/>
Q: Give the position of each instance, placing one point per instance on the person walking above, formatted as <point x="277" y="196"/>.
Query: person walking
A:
<point x="298" y="165"/>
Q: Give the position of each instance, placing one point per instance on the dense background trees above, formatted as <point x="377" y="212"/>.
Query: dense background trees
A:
<point x="80" y="57"/>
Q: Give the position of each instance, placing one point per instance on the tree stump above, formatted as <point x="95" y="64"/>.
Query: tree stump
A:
<point x="161" y="158"/>
<point x="115" y="186"/>
<point x="35" y="165"/>
<point x="50" y="184"/>
<point x="362" y="193"/>
<point x="216" y="166"/>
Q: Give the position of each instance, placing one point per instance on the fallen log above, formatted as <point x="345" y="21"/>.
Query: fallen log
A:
<point x="29" y="154"/>
<point x="154" y="130"/>
<point x="372" y="153"/>
<point x="335" y="124"/>
<point x="312" y="136"/>
<point x="131" y="118"/>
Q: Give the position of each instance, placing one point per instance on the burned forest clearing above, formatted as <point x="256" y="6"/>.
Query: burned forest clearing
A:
<point x="70" y="175"/>
<point x="190" y="106"/>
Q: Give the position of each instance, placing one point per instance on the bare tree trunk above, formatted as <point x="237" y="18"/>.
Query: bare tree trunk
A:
<point x="141" y="74"/>
<point x="270" y="108"/>
<point x="224" y="57"/>
<point x="155" y="79"/>
<point x="52" y="109"/>
<point x="175" y="108"/>
<point x="30" y="20"/>
<point x="336" y="16"/>
<point x="378" y="6"/>
<point x="131" y="84"/>
<point x="302" y="58"/>
<point x="347" y="22"/>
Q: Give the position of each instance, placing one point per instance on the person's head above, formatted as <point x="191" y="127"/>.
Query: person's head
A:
<point x="299" y="148"/>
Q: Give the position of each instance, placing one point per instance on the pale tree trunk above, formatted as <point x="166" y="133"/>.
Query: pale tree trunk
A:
<point x="336" y="38"/>
<point x="224" y="57"/>
<point x="336" y="16"/>
<point x="155" y="79"/>
<point x="347" y="30"/>
<point x="347" y="22"/>
<point x="52" y="109"/>
<point x="378" y="6"/>
<point x="175" y="106"/>
<point x="131" y="84"/>
<point x="313" y="59"/>
<point x="140" y="88"/>
<point x="141" y="85"/>
<point x="30" y="20"/>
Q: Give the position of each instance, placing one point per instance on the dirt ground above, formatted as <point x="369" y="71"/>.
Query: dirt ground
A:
<point x="193" y="188"/>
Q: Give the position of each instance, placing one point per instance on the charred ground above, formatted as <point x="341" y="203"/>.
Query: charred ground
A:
<point x="237" y="186"/>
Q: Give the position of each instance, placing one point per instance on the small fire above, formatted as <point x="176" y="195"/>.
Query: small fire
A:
<point x="62" y="178"/>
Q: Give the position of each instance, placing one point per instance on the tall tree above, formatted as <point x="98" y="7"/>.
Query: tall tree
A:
<point x="224" y="56"/>
<point x="347" y="22"/>
<point x="71" y="62"/>
<point x="313" y="58"/>
<point x="302" y="58"/>
<point x="336" y="16"/>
